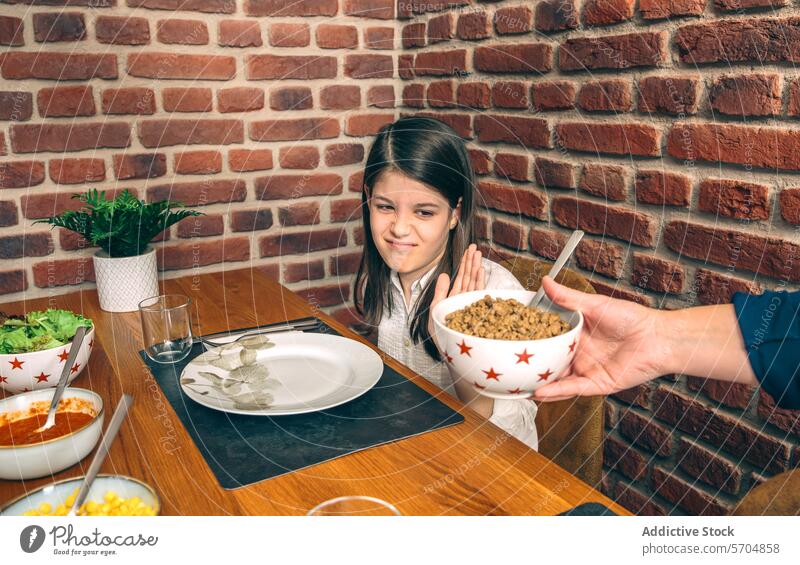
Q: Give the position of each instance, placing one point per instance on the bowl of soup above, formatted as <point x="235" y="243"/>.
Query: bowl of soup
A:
<point x="503" y="348"/>
<point x="26" y="453"/>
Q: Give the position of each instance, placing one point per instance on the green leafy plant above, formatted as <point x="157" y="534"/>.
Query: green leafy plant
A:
<point x="122" y="227"/>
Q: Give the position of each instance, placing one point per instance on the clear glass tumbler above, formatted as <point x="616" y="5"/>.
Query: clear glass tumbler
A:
<point x="166" y="327"/>
<point x="354" y="506"/>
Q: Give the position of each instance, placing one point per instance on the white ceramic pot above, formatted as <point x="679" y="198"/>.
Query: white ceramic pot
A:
<point x="123" y="282"/>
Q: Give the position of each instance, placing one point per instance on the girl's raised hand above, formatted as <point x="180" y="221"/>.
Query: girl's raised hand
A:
<point x="470" y="276"/>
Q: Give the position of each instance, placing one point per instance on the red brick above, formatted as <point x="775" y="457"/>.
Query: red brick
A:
<point x="11" y="31"/>
<point x="21" y="174"/>
<point x="302" y="242"/>
<point x="289" y="35"/>
<point x="606" y="12"/>
<point x="9" y="216"/>
<point x="601" y="257"/>
<point x="281" y="187"/>
<point x="132" y="100"/>
<point x="59" y="26"/>
<point x="16" y="106"/>
<point x="414" y="95"/>
<point x="546" y="243"/>
<point x="298" y="157"/>
<point x="512" y="199"/>
<point x="670" y="95"/>
<point x="517" y="130"/>
<point x="790" y="205"/>
<point x="381" y="96"/>
<point x="460" y="123"/>
<point x="311" y="270"/>
<point x="740" y="5"/>
<point x="200" y="193"/>
<point x="198" y="254"/>
<point x="140" y="166"/>
<point x="761" y="40"/>
<point x="182" y="32"/>
<point x="340" y="154"/>
<point x="597" y="218"/>
<point x="607" y="181"/>
<point x="198" y="162"/>
<point x="240" y="99"/>
<point x="122" y="30"/>
<point x="746" y="95"/>
<point x="781" y="418"/>
<point x="441" y="94"/>
<point x="765" y="255"/>
<point x="513" y="58"/>
<point x="292" y="130"/>
<point x="368" y="66"/>
<point x="379" y="38"/>
<point x="606" y="96"/>
<point x="513" y="167"/>
<point x="441" y="63"/>
<point x="181" y="66"/>
<point x="682" y="493"/>
<point x="239" y="33"/>
<point x="616" y="291"/>
<point x="708" y="467"/>
<point x="345" y="210"/>
<point x="636" y="502"/>
<point x="13" y="281"/>
<point x="413" y="35"/>
<point x="298" y="214"/>
<point x="623" y="458"/>
<point x="510" y="94"/>
<point x="550" y="173"/>
<point x="734" y="199"/>
<point x="618" y="139"/>
<point x="660" y="9"/>
<point x="285" y="67"/>
<point x="162" y="133"/>
<point x="714" y="288"/>
<point x="344" y="264"/>
<point x="251" y="220"/>
<point x="35" y="138"/>
<point x="376" y="9"/>
<point x="556" y="15"/>
<point x="481" y="163"/>
<point x="793" y="106"/>
<point x="63" y="272"/>
<point x="207" y="6"/>
<point x="440" y="28"/>
<point x="180" y="99"/>
<point x="638" y="395"/>
<point x="325" y="296"/>
<point x="657" y="274"/>
<point x="58" y="66"/>
<point x="242" y="160"/>
<point x="476" y="95"/>
<point x="640" y="49"/>
<point x="513" y="20"/>
<point x="36" y="205"/>
<point x="734" y="395"/>
<point x="473" y="25"/>
<point x="76" y="171"/>
<point x="65" y="101"/>
<point x="201" y="226"/>
<point x="405" y="66"/>
<point x="663" y="188"/>
<point x="366" y="124"/>
<point x="330" y="36"/>
<point x="340" y="97"/>
<point x="553" y="95"/>
<point x="285" y="8"/>
<point x="510" y="235"/>
<point x="355" y="182"/>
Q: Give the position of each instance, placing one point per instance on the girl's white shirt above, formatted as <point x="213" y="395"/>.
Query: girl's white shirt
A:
<point x="516" y="417"/>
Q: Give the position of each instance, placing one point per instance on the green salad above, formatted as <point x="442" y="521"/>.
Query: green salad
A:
<point x="39" y="330"/>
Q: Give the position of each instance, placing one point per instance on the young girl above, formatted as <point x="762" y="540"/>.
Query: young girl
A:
<point x="418" y="210"/>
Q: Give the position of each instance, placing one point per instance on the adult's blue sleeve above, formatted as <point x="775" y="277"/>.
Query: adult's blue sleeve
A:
<point x="770" y="325"/>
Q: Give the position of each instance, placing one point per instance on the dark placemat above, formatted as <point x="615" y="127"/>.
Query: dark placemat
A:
<point x="590" y="509"/>
<point x="242" y="450"/>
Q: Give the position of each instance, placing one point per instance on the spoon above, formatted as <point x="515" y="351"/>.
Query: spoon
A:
<point x="105" y="444"/>
<point x="77" y="339"/>
<point x="563" y="257"/>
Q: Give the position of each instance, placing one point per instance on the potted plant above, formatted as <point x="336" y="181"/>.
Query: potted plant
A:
<point x="125" y="266"/>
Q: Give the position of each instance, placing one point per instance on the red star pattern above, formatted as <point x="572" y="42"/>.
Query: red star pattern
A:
<point x="490" y="374"/>
<point x="515" y="391"/>
<point x="42" y="378"/>
<point x="16" y="363"/>
<point x="63" y="355"/>
<point x="447" y="356"/>
<point x="464" y="348"/>
<point x="75" y="368"/>
<point x="479" y="386"/>
<point x="572" y="347"/>
<point x="546" y="375"/>
<point x="524" y="356"/>
<point x="3" y="379"/>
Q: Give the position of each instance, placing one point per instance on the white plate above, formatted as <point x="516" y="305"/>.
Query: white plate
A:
<point x="282" y="373"/>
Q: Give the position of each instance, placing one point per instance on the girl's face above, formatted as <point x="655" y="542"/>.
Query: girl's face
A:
<point x="410" y="223"/>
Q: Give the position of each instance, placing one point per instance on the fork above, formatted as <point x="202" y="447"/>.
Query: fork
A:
<point x="208" y="342"/>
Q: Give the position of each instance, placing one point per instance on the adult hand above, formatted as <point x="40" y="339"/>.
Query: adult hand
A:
<point x="619" y="345"/>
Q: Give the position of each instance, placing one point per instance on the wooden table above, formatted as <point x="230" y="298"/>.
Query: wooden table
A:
<point x="470" y="468"/>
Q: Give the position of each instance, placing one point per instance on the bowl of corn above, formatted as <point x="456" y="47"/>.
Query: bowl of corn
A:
<point x="110" y="495"/>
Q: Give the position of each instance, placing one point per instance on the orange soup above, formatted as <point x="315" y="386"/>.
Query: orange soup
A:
<point x="23" y="431"/>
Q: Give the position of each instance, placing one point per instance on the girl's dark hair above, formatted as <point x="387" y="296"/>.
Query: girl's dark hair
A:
<point x="428" y="151"/>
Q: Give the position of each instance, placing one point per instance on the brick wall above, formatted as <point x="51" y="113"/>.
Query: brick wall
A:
<point x="667" y="130"/>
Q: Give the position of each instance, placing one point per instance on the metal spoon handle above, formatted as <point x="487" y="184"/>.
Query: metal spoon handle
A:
<point x="105" y="444"/>
<point x="563" y="257"/>
<point x="74" y="348"/>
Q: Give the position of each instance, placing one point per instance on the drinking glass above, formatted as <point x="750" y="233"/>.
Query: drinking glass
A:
<point x="354" y="506"/>
<point x="166" y="327"/>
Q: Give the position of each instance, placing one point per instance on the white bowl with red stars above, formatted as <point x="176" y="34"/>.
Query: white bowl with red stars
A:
<point x="24" y="372"/>
<point x="503" y="368"/>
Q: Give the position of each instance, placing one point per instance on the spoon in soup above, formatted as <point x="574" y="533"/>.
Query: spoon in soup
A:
<point x="563" y="257"/>
<point x="74" y="347"/>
